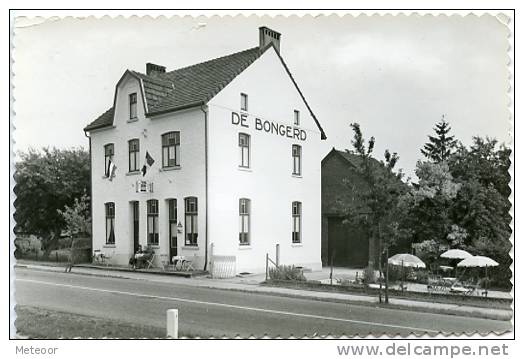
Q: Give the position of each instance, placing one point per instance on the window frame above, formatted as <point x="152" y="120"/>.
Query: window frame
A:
<point x="296" y="117"/>
<point x="296" y="215"/>
<point x="241" y="149"/>
<point x="110" y="222"/>
<point x="136" y="155"/>
<point x="108" y="156"/>
<point x="297" y="159"/>
<point x="244" y="102"/>
<point x="191" y="217"/>
<point x="166" y="149"/>
<point x="152" y="236"/>
<point x="133" y="100"/>
<point x="244" y="213"/>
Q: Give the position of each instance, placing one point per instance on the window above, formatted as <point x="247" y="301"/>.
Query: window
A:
<point x="191" y="221"/>
<point x="297" y="222"/>
<point x="296" y="119"/>
<point x="172" y="219"/>
<point x="296" y="152"/>
<point x="243" y="144"/>
<point x="109" y="152"/>
<point x="152" y="222"/>
<point x="243" y="102"/>
<point x="134" y="150"/>
<point x="244" y="211"/>
<point x="132" y="106"/>
<point x="171" y="149"/>
<point x="110" y="223"/>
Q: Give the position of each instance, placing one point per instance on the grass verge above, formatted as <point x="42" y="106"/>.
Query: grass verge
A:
<point x="39" y="323"/>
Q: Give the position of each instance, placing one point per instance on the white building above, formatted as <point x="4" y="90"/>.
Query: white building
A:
<point x="236" y="165"/>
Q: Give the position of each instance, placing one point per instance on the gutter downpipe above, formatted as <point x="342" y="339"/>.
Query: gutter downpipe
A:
<point x="90" y="188"/>
<point x="206" y="180"/>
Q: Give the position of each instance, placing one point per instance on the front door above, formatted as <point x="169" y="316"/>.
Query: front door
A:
<point x="136" y="231"/>
<point x="172" y="229"/>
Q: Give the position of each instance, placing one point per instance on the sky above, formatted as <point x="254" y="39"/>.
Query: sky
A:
<point x="394" y="75"/>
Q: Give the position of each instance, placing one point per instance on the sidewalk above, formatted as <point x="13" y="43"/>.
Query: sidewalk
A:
<point x="251" y="284"/>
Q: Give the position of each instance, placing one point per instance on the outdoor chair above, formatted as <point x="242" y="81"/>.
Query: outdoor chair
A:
<point x="164" y="260"/>
<point x="149" y="260"/>
<point x="187" y="265"/>
<point x="98" y="256"/>
<point x="106" y="259"/>
<point x="178" y="262"/>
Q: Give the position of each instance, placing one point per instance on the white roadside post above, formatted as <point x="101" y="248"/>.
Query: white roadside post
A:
<point x="172" y="323"/>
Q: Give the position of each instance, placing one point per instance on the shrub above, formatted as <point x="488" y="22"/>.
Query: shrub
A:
<point x="28" y="247"/>
<point x="421" y="276"/>
<point x="286" y="273"/>
<point x="394" y="273"/>
<point x="64" y="242"/>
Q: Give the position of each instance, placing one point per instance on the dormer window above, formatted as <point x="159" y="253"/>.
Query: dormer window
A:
<point x="109" y="151"/>
<point x="132" y="106"/>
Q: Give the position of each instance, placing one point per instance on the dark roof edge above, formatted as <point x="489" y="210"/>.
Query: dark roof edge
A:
<point x="335" y="152"/>
<point x="174" y="109"/>
<point x="322" y="133"/>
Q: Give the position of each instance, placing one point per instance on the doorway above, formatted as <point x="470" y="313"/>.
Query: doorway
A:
<point x="173" y="246"/>
<point x="136" y="230"/>
<point x="348" y="243"/>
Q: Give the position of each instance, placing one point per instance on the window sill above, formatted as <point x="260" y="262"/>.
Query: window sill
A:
<point x="244" y="246"/>
<point x="154" y="246"/>
<point x="245" y="169"/>
<point x="296" y="176"/>
<point x="165" y="169"/>
<point x="109" y="246"/>
<point x="194" y="248"/>
<point x="131" y="120"/>
<point x="133" y="173"/>
<point x="297" y="244"/>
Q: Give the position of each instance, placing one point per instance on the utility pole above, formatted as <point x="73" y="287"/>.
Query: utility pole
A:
<point x="387" y="274"/>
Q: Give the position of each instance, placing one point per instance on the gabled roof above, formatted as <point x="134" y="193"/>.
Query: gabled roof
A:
<point x="192" y="85"/>
<point x="351" y="158"/>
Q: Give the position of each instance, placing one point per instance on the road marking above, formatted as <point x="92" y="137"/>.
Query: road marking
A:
<point x="231" y="306"/>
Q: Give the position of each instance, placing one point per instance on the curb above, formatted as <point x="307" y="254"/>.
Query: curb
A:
<point x="477" y="313"/>
<point x="502" y="315"/>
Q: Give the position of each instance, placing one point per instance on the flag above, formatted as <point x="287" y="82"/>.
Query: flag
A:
<point x="149" y="163"/>
<point x="111" y="171"/>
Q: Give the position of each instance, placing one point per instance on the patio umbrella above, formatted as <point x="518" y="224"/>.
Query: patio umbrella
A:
<point x="456" y="254"/>
<point x="408" y="260"/>
<point x="479" y="261"/>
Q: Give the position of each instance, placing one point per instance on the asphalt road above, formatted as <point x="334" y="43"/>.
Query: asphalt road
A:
<point x="209" y="312"/>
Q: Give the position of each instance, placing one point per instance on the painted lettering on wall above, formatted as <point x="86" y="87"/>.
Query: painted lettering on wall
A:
<point x="269" y="126"/>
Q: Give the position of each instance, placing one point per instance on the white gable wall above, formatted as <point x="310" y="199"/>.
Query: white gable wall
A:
<point x="269" y="183"/>
<point x="188" y="180"/>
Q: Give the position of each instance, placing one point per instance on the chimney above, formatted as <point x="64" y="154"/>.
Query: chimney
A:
<point x="266" y="36"/>
<point x="153" y="69"/>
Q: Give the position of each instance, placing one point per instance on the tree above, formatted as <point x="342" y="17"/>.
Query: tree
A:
<point x="378" y="208"/>
<point x="47" y="181"/>
<point x="429" y="211"/>
<point x="482" y="205"/>
<point x="440" y="147"/>
<point x="77" y="217"/>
